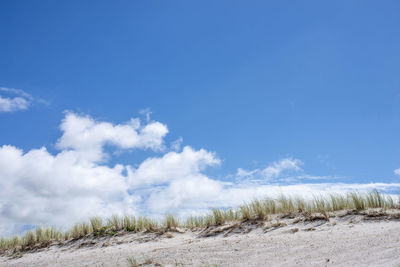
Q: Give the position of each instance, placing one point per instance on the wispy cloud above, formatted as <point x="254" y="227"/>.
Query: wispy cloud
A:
<point x="397" y="171"/>
<point x="274" y="172"/>
<point x="16" y="100"/>
<point x="146" y="112"/>
<point x="17" y="92"/>
<point x="11" y="104"/>
<point x="176" y="145"/>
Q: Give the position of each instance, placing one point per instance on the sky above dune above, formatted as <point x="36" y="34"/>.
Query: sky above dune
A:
<point x="149" y="107"/>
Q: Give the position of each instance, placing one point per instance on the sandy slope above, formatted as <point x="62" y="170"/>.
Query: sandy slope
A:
<point x="344" y="241"/>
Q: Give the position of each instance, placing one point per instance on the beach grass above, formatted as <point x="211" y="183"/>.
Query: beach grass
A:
<point x="260" y="209"/>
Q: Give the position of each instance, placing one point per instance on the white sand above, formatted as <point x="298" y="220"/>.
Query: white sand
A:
<point x="347" y="241"/>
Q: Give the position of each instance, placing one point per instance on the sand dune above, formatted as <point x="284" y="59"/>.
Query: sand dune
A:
<point x="367" y="239"/>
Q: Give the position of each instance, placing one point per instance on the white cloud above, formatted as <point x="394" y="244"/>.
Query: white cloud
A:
<point x="191" y="193"/>
<point x="38" y="187"/>
<point x="13" y="104"/>
<point x="10" y="104"/>
<point x="172" y="166"/>
<point x="17" y="99"/>
<point x="273" y="172"/>
<point x="176" y="145"/>
<point x="17" y="92"/>
<point x="276" y="168"/>
<point x="87" y="137"/>
<point x="397" y="171"/>
<point x="241" y="173"/>
<point x="147" y="113"/>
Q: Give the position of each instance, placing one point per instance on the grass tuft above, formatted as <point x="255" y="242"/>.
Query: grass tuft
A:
<point x="132" y="262"/>
<point x="96" y="223"/>
<point x="171" y="222"/>
<point x="219" y="217"/>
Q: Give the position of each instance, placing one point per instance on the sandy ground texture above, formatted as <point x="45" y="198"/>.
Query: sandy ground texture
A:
<point x="344" y="240"/>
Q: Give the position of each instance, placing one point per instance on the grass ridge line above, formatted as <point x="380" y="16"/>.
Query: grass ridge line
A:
<point x="254" y="210"/>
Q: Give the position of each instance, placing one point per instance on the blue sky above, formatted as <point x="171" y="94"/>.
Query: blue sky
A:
<point x="255" y="82"/>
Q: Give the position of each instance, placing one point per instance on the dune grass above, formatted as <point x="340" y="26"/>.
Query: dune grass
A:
<point x="171" y="222"/>
<point x="132" y="262"/>
<point x="254" y="210"/>
<point x="146" y="261"/>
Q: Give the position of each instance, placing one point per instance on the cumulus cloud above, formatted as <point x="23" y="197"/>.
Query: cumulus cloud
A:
<point x="38" y="187"/>
<point x="42" y="188"/>
<point x="172" y="166"/>
<point x="87" y="137"/>
<point x="397" y="171"/>
<point x="184" y="196"/>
